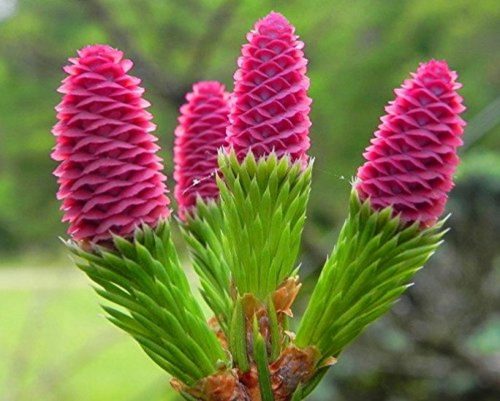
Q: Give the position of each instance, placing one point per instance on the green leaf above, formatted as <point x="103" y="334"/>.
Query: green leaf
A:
<point x="262" y="363"/>
<point x="303" y="390"/>
<point x="238" y="337"/>
<point x="188" y="397"/>
<point x="274" y="329"/>
<point x="370" y="267"/>
<point x="202" y="231"/>
<point x="151" y="300"/>
<point x="263" y="203"/>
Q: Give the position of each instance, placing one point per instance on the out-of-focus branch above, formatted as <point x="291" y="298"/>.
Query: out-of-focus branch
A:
<point x="192" y="5"/>
<point x="144" y="9"/>
<point x="483" y="123"/>
<point x="36" y="60"/>
<point x="487" y="370"/>
<point x="488" y="373"/>
<point x="165" y="85"/>
<point x="217" y="24"/>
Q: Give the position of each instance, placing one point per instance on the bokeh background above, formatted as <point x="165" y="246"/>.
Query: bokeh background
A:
<point x="440" y="342"/>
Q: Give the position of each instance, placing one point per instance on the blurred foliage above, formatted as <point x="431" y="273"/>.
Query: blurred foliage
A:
<point x="442" y="340"/>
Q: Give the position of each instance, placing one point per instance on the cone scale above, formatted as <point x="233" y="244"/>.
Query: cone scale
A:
<point x="200" y="134"/>
<point x="411" y="161"/>
<point x="270" y="108"/>
<point x="110" y="176"/>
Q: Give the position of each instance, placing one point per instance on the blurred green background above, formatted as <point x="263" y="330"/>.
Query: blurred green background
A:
<point x="440" y="342"/>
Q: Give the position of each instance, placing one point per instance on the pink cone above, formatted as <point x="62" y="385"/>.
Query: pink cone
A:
<point x="412" y="159"/>
<point x="110" y="176"/>
<point x="198" y="137"/>
<point x="270" y="107"/>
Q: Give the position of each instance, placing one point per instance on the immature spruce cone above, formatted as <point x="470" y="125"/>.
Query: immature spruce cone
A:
<point x="412" y="159"/>
<point x="110" y="176"/>
<point x="270" y="107"/>
<point x="198" y="137"/>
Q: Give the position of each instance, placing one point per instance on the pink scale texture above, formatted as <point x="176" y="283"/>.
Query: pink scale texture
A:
<point x="270" y="107"/>
<point x="411" y="161"/>
<point x="198" y="137"/>
<point x="109" y="173"/>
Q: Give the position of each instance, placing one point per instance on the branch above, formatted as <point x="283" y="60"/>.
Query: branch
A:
<point x="484" y="368"/>
<point x="487" y="372"/>
<point x="483" y="123"/>
<point x="166" y="86"/>
<point x="217" y="24"/>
